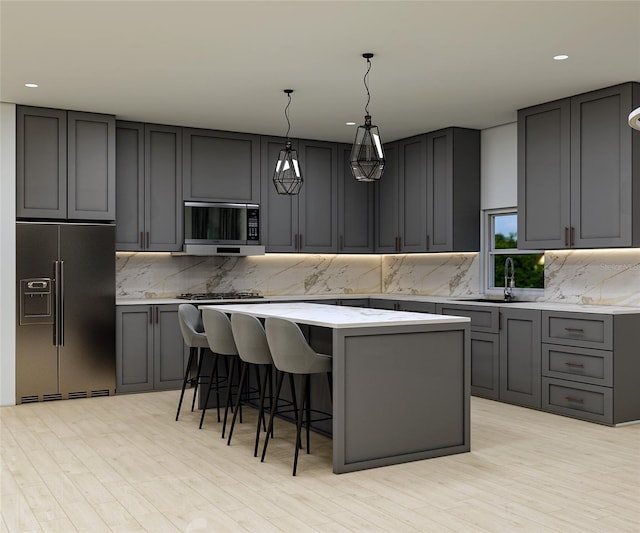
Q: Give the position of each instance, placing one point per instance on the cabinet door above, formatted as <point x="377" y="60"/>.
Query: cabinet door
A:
<point x="386" y="203"/>
<point x="520" y="357"/>
<point x="318" y="198"/>
<point x="169" y="352"/>
<point x="412" y="171"/>
<point x="417" y="307"/>
<point x="453" y="190"/>
<point x="163" y="188"/>
<point x="221" y="166"/>
<point x="601" y="169"/>
<point x="355" y="208"/>
<point x="41" y="163"/>
<point x="279" y="212"/>
<point x="485" y="367"/>
<point x="91" y="173"/>
<point x="129" y="186"/>
<point x="134" y="348"/>
<point x="544" y="176"/>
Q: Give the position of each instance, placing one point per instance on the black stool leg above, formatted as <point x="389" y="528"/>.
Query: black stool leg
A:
<point x="305" y="388"/>
<point x="262" y="383"/>
<point x="308" y="411"/>
<point x="229" y="396"/>
<point x="274" y="408"/>
<point x="294" y="400"/>
<point x="243" y="373"/>
<point x="198" y="377"/>
<point x="186" y="379"/>
<point x="212" y="383"/>
<point x="330" y="379"/>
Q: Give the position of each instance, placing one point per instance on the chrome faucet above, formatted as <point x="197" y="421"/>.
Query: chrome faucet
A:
<point x="509" y="279"/>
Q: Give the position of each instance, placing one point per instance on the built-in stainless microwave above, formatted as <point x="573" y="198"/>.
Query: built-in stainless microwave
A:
<point x="221" y="223"/>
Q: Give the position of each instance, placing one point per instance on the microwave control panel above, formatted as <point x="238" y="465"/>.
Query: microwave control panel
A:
<point x="253" y="224"/>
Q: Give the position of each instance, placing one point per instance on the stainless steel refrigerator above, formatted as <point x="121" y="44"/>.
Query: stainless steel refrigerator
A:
<point x="65" y="332"/>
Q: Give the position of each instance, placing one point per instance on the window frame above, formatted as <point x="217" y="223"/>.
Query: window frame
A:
<point x="487" y="253"/>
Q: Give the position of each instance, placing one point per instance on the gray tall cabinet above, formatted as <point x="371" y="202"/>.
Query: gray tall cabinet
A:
<point x="579" y="171"/>
<point x="149" y="187"/>
<point x="65" y="165"/>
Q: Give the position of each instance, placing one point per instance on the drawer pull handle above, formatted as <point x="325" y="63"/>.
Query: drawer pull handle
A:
<point x="573" y="399"/>
<point x="574" y="365"/>
<point x="574" y="330"/>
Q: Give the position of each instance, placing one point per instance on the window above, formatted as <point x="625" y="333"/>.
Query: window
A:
<point x="501" y="241"/>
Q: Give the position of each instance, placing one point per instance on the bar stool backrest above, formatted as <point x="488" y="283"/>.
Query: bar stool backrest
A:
<point x="217" y="328"/>
<point x="290" y="350"/>
<point x="191" y="326"/>
<point x="250" y="339"/>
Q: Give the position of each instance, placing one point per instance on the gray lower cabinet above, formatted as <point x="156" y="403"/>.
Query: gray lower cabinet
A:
<point x="150" y="352"/>
<point x="578" y="170"/>
<point x="65" y="165"/>
<point x="402" y="305"/>
<point x="590" y="366"/>
<point x="149" y="187"/>
<point x="520" y="357"/>
<point x="355" y="208"/>
<point x="485" y="346"/>
<point x="307" y="222"/>
<point x="220" y="166"/>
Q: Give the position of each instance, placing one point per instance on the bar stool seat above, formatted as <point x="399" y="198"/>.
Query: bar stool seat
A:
<point x="292" y="354"/>
<point x="194" y="337"/>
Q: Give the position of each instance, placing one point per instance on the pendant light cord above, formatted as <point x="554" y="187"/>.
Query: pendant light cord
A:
<point x="286" y="114"/>
<point x="366" y="86"/>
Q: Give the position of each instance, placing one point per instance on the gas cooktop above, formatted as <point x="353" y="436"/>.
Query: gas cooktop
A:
<point x="219" y="295"/>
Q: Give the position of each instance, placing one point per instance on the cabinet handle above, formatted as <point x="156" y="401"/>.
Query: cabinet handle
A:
<point x="572" y="240"/>
<point x="142" y="239"/>
<point x="157" y="314"/>
<point x="300" y="242"/>
<point x="341" y="244"/>
<point x="566" y="236"/>
<point x="147" y="239"/>
<point x="399" y="243"/>
<point x="574" y="365"/>
<point x="150" y="315"/>
<point x="574" y="330"/>
<point x="574" y="399"/>
<point x="427" y="241"/>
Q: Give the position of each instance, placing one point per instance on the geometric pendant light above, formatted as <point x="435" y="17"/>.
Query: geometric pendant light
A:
<point x="634" y="119"/>
<point x="287" y="176"/>
<point x="367" y="155"/>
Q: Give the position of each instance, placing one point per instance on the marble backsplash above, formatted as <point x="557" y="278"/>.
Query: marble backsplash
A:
<point x="605" y="277"/>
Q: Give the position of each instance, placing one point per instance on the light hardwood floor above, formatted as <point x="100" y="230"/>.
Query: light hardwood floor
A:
<point x="123" y="464"/>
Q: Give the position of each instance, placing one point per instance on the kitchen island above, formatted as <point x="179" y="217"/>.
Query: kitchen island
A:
<point x="401" y="381"/>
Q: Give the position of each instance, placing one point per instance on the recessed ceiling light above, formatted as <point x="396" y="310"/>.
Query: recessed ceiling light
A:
<point x="561" y="57"/>
<point x="350" y="123"/>
<point x="31" y="85"/>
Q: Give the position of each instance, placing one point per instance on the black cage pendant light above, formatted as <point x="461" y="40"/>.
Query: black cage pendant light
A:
<point x="288" y="177"/>
<point x="367" y="156"/>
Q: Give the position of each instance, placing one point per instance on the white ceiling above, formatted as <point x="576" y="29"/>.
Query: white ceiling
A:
<point x="223" y="65"/>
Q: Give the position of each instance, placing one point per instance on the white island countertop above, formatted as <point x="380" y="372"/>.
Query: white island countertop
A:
<point x="332" y="316"/>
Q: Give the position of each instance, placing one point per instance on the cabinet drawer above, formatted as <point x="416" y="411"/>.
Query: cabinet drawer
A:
<point x="484" y="319"/>
<point x="589" y="402"/>
<point x="578" y="364"/>
<point x="578" y="329"/>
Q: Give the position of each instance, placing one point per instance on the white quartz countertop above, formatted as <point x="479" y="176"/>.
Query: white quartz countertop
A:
<point x="541" y="305"/>
<point x="331" y="316"/>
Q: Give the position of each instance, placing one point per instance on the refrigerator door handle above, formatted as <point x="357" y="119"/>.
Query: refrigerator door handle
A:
<point x="60" y="318"/>
<point x="56" y="301"/>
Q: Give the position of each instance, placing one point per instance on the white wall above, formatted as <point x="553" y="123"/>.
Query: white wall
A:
<point x="8" y="248"/>
<point x="499" y="166"/>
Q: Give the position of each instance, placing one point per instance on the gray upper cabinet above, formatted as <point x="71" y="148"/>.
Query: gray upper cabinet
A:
<point x="355" y="208"/>
<point x="453" y="190"/>
<point x="65" y="165"/>
<point x="520" y="357"/>
<point x="221" y="166"/>
<point x="386" y="203"/>
<point x="579" y="171"/>
<point x="307" y="222"/>
<point x="412" y="209"/>
<point x="149" y="177"/>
